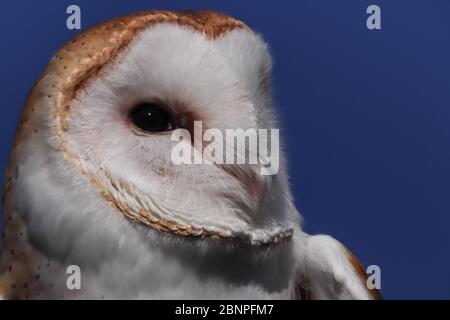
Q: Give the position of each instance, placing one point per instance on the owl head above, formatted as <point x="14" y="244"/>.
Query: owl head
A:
<point x="94" y="143"/>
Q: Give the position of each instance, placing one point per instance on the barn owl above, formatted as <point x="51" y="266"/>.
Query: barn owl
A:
<point x="90" y="182"/>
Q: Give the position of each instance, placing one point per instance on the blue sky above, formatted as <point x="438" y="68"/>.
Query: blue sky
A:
<point x="365" y="116"/>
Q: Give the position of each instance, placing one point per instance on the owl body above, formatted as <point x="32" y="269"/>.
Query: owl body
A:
<point x="90" y="185"/>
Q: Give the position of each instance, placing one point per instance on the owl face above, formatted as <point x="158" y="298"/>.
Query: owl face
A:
<point x="145" y="78"/>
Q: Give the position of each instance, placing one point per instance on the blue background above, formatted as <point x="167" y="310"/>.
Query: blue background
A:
<point x="366" y="116"/>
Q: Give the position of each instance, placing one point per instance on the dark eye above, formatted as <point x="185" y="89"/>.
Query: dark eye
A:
<point x="152" y="117"/>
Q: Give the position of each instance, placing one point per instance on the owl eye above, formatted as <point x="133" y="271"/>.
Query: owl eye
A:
<point x="152" y="117"/>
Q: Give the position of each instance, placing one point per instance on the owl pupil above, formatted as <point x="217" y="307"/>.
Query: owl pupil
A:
<point x="151" y="117"/>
